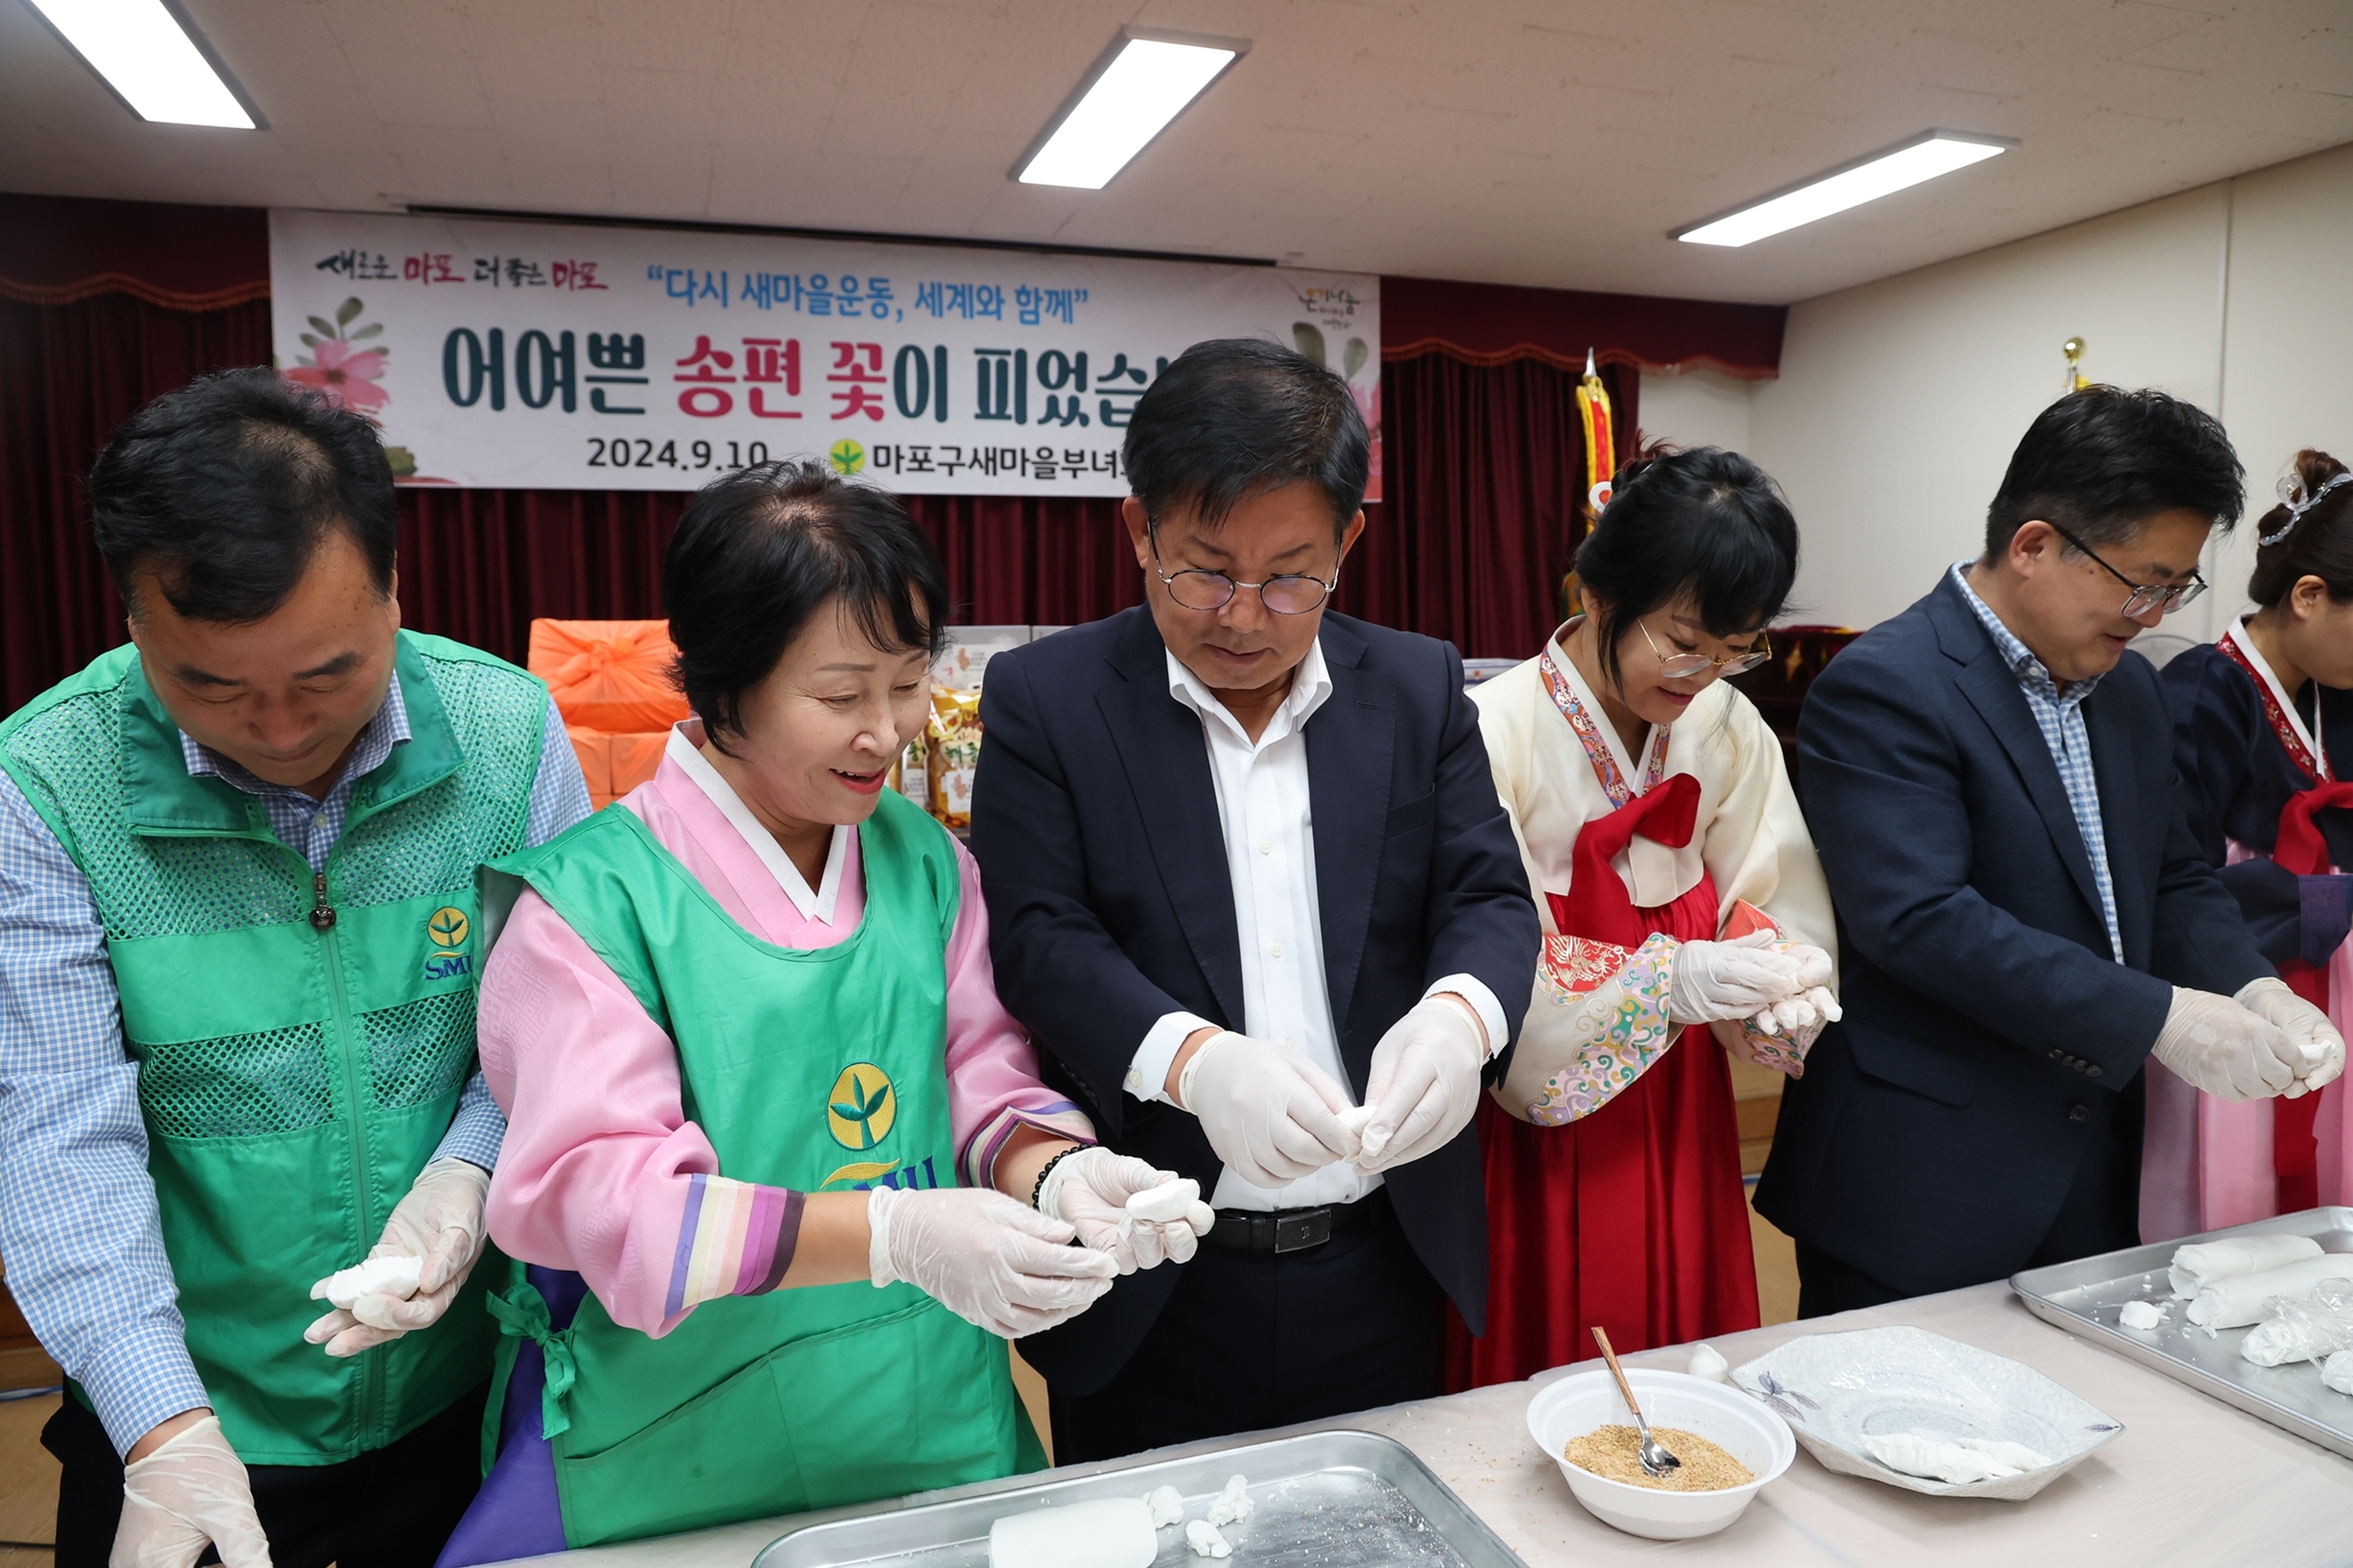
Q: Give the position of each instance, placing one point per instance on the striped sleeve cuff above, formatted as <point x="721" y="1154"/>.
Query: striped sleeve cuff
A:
<point x="736" y="1239"/>
<point x="1060" y="1118"/>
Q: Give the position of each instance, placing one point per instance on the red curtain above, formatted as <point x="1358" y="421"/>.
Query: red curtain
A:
<point x="1486" y="476"/>
<point x="69" y="374"/>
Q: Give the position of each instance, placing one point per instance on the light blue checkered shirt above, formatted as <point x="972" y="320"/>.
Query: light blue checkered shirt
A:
<point x="78" y="1229"/>
<point x="2060" y="715"/>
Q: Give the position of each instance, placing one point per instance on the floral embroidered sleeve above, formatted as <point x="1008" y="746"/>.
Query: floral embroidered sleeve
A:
<point x="1596" y="1022"/>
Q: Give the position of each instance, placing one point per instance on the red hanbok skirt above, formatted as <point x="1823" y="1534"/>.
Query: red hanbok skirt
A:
<point x="1633" y="1218"/>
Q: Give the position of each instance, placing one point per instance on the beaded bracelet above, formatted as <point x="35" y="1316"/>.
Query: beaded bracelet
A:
<point x="1038" y="1190"/>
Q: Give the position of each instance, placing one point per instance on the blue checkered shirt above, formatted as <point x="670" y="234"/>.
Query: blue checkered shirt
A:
<point x="78" y="1227"/>
<point x="2061" y="716"/>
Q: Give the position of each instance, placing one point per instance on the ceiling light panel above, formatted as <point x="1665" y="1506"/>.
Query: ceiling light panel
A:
<point x="1924" y="157"/>
<point x="1135" y="90"/>
<point x="139" y="48"/>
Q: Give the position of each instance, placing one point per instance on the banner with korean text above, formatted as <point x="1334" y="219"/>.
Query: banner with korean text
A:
<point x="552" y="356"/>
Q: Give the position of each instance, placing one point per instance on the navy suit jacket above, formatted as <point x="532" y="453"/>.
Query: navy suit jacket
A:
<point x="1095" y="821"/>
<point x="1936" y="1132"/>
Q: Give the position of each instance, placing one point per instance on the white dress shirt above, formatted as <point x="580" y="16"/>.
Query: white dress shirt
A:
<point x="1263" y="808"/>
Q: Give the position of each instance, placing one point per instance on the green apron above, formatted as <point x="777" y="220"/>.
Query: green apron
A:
<point x="816" y="1070"/>
<point x="301" y="1039"/>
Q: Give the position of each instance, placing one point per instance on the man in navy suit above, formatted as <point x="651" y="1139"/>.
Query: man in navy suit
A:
<point x="1246" y="872"/>
<point x="2024" y="917"/>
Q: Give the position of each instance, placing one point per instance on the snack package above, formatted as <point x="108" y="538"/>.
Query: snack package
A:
<point x="911" y="774"/>
<point x="952" y="751"/>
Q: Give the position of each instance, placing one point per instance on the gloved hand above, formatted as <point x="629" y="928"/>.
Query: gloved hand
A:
<point x="1735" y="979"/>
<point x="1089" y="1191"/>
<point x="2308" y="1030"/>
<point x="438" y="1223"/>
<point x="190" y="1490"/>
<point x="985" y="1258"/>
<point x="1803" y="1016"/>
<point x="2211" y="1042"/>
<point x="1269" y="1116"/>
<point x="1424" y="1083"/>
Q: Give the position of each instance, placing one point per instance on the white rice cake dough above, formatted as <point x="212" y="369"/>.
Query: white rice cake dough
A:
<point x="2140" y="1315"/>
<point x="1167" y="1505"/>
<point x="1112" y="1532"/>
<point x="1354" y="1120"/>
<point x="1233" y="1505"/>
<point x="1203" y="1539"/>
<point x="2204" y="1263"/>
<point x="2239" y="1301"/>
<point x="1962" y="1464"/>
<point x="1165" y="1203"/>
<point x="377" y="1276"/>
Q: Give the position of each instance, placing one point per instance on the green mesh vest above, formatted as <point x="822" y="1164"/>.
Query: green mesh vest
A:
<point x="295" y="1073"/>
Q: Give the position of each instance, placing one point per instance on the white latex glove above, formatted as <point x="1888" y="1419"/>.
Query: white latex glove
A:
<point x="1814" y="1002"/>
<point x="992" y="1261"/>
<point x="1269" y="1116"/>
<point x="1424" y="1083"/>
<point x="1089" y="1193"/>
<point x="439" y="1223"/>
<point x="1732" y="981"/>
<point x="2211" y="1042"/>
<point x="2308" y="1030"/>
<point x="190" y="1490"/>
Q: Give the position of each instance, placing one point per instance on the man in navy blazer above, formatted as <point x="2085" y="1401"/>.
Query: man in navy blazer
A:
<point x="1245" y="871"/>
<point x="2023" y="918"/>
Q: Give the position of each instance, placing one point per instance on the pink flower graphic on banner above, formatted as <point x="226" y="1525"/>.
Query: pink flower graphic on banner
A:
<point x="345" y="375"/>
<point x="336" y="366"/>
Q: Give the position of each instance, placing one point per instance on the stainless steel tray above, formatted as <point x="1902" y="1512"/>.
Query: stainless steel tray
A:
<point x="1328" y="1499"/>
<point x="2084" y="1298"/>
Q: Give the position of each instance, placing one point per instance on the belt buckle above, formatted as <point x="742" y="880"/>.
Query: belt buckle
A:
<point x="1297" y="1232"/>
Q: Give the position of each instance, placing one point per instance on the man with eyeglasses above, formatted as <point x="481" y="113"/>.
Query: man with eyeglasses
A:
<point x="2025" y="918"/>
<point x="1251" y="890"/>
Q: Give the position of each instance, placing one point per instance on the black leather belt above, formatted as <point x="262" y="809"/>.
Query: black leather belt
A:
<point x="1289" y="1230"/>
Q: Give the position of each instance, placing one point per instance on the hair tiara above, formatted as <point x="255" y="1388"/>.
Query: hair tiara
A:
<point x="2292" y="496"/>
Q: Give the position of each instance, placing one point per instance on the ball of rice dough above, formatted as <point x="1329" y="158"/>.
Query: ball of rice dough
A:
<point x="1112" y="1532"/>
<point x="377" y="1276"/>
<point x="1166" y="1202"/>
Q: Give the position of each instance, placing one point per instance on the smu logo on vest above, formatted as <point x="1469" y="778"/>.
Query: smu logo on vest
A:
<point x="859" y="1114"/>
<point x="445" y="933"/>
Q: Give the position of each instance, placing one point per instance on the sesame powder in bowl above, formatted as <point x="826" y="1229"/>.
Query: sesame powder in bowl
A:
<point x="1690" y="1414"/>
<point x="1614" y="1453"/>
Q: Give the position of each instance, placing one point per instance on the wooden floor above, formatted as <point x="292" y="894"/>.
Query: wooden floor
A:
<point x="28" y="1482"/>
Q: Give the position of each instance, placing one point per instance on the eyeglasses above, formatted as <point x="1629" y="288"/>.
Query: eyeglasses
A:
<point x="1291" y="594"/>
<point x="2164" y="598"/>
<point x="1676" y="667"/>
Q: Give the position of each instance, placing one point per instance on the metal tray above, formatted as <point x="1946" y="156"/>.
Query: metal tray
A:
<point x="1329" y="1500"/>
<point x="2084" y="1298"/>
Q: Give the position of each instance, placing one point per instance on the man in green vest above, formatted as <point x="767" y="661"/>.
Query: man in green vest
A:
<point x="237" y="969"/>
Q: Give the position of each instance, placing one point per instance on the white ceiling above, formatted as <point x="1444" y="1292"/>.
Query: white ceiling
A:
<point x="1550" y="144"/>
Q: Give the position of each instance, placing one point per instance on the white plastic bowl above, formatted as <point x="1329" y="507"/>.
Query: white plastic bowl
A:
<point x="1585" y="1402"/>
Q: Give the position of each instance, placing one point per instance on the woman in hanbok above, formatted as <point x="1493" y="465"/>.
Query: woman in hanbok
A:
<point x="1685" y="915"/>
<point x="779" y="1163"/>
<point x="2264" y="739"/>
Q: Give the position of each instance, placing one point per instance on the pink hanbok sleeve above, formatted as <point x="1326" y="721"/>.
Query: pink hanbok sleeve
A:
<point x="993" y="1086"/>
<point x="601" y="1172"/>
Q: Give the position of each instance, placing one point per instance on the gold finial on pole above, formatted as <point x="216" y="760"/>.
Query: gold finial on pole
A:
<point x="2074" y="349"/>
